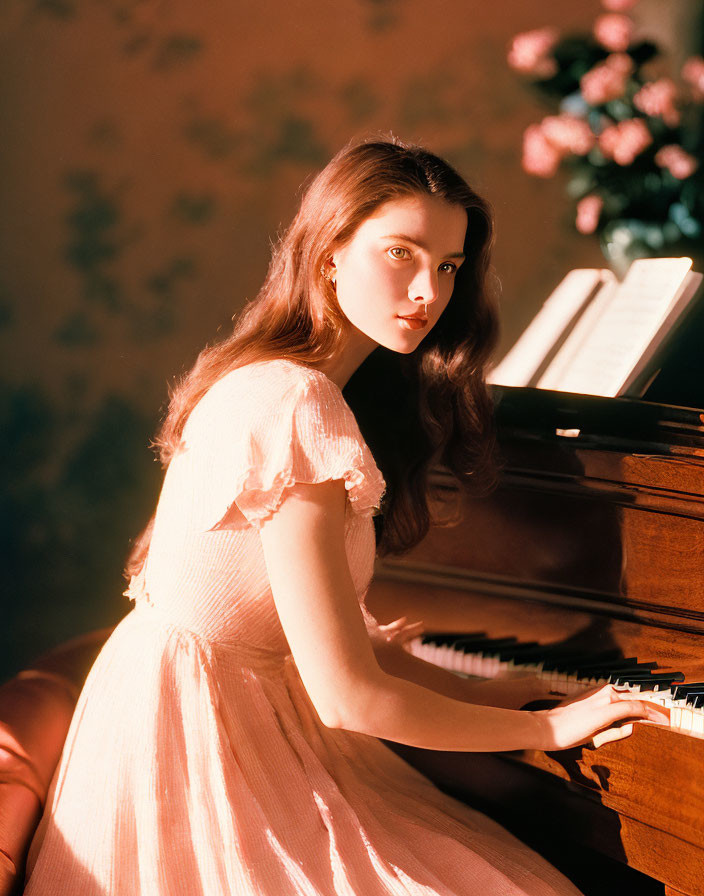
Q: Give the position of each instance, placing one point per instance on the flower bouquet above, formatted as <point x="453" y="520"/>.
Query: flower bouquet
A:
<point x="632" y="138"/>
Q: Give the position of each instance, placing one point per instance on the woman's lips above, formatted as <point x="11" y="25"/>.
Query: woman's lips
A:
<point x="413" y="323"/>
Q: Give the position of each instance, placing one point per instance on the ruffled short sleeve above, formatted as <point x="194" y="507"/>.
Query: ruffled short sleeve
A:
<point x="271" y="424"/>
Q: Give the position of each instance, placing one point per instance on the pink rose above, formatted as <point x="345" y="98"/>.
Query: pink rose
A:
<point x="618" y="5"/>
<point x="567" y="133"/>
<point x="530" y="52"/>
<point x="679" y="163"/>
<point x="693" y="74"/>
<point x="607" y="80"/>
<point x="540" y="157"/>
<point x="588" y="211"/>
<point x="614" y="31"/>
<point x="658" y="99"/>
<point x="622" y="142"/>
<point x="621" y="63"/>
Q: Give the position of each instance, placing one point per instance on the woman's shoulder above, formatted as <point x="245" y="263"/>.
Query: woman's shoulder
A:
<point x="271" y="423"/>
<point x="276" y="367"/>
<point x="275" y="376"/>
<point x="266" y="387"/>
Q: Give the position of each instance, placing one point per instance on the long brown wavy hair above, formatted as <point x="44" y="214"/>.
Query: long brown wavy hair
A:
<point x="416" y="411"/>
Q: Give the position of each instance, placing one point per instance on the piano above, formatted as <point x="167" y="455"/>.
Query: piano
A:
<point x="589" y="552"/>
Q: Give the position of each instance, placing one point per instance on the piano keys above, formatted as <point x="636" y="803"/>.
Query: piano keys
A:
<point x="592" y="546"/>
<point x="566" y="674"/>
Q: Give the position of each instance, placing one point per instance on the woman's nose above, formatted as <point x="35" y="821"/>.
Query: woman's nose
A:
<point x="424" y="287"/>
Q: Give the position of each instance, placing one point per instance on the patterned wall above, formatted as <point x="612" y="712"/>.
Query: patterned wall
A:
<point x="151" y="150"/>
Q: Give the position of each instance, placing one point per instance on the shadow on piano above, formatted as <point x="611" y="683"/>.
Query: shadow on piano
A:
<point x="594" y="540"/>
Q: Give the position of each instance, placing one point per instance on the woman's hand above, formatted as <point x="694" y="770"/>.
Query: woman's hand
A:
<point x="399" y="632"/>
<point x="599" y="715"/>
<point x="522" y="689"/>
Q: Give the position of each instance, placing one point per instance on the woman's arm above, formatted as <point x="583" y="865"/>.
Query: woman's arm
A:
<point x="508" y="693"/>
<point x="304" y="550"/>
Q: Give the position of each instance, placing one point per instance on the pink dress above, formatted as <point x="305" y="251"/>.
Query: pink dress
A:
<point x="195" y="763"/>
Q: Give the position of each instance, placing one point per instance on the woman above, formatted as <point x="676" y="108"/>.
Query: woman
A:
<point x="225" y="741"/>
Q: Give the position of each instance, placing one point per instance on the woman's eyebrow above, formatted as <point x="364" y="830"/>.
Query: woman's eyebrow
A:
<point x="421" y="245"/>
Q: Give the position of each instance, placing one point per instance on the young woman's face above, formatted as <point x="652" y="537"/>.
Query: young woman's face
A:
<point x="400" y="259"/>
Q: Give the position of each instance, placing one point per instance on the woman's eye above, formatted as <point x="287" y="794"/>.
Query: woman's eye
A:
<point x="398" y="252"/>
<point x="448" y="267"/>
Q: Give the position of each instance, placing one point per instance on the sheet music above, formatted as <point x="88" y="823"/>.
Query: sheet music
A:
<point x="555" y="374"/>
<point x="611" y="340"/>
<point x="686" y="293"/>
<point x="545" y="331"/>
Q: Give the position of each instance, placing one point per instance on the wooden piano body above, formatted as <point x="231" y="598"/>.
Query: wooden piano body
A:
<point x="594" y="538"/>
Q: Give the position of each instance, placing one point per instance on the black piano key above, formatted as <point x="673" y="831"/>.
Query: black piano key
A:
<point x="660" y="680"/>
<point x="447" y="639"/>
<point x="556" y="663"/>
<point x="538" y="653"/>
<point x="649" y="676"/>
<point x="485" y="646"/>
<point x="620" y="663"/>
<point x="615" y="668"/>
<point x="694" y="687"/>
<point x="676" y="676"/>
<point x="599" y="660"/>
<point x="605" y="674"/>
<point x="699" y="701"/>
<point x="589" y="667"/>
<point x="559" y="663"/>
<point x="602" y="658"/>
<point x="692" y="698"/>
<point x="557" y="659"/>
<point x="519" y="652"/>
<point x="548" y="651"/>
<point x="596" y="665"/>
<point x="619" y="678"/>
<point x="436" y="639"/>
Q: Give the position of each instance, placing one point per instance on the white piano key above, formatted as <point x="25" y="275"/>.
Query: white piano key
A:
<point x="698" y="726"/>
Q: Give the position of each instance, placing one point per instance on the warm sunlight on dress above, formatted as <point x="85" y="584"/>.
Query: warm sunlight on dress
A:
<point x="195" y="763"/>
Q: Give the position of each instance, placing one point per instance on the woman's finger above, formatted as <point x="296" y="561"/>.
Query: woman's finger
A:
<point x="634" y="709"/>
<point x="611" y="734"/>
<point x="399" y="633"/>
<point x="656" y="713"/>
<point x="598" y="694"/>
